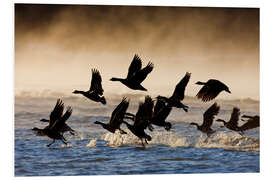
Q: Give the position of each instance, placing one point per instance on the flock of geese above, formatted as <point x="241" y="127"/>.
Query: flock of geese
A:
<point x="150" y="112"/>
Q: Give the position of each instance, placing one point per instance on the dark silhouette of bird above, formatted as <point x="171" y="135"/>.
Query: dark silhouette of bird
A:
<point x="144" y="113"/>
<point x="136" y="74"/>
<point x="251" y="122"/>
<point x="232" y="124"/>
<point x="148" y="114"/>
<point x="208" y="118"/>
<point x="56" y="123"/>
<point x="138" y="130"/>
<point x="63" y="129"/>
<point x="116" y="117"/>
<point x="211" y="89"/>
<point x="178" y="94"/>
<point x="95" y="92"/>
<point x="161" y="112"/>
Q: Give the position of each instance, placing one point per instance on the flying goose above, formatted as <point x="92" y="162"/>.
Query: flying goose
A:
<point x="211" y="89"/>
<point x="136" y="74"/>
<point x="95" y="92"/>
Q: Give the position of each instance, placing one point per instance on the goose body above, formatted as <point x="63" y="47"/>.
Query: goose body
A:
<point x="178" y="94"/>
<point x="232" y="124"/>
<point x="211" y="89"/>
<point x="208" y="118"/>
<point x="63" y="129"/>
<point x="144" y="114"/>
<point x="116" y="117"/>
<point x="56" y="123"/>
<point x="251" y="122"/>
<point x="136" y="74"/>
<point x="96" y="91"/>
<point x="160" y="114"/>
<point x="138" y="130"/>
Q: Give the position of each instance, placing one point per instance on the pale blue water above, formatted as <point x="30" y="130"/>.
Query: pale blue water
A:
<point x="183" y="150"/>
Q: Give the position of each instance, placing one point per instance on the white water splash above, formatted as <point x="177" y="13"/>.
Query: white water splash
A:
<point x="169" y="139"/>
<point x="229" y="140"/>
<point x="117" y="139"/>
<point x="158" y="137"/>
<point x="225" y="140"/>
<point x="92" y="143"/>
<point x="66" y="145"/>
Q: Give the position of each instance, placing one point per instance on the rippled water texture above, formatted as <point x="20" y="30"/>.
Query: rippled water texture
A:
<point x="94" y="151"/>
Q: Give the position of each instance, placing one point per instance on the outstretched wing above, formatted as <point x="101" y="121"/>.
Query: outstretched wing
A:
<point x="135" y="66"/>
<point x="140" y="76"/>
<point x="60" y="122"/>
<point x="139" y="114"/>
<point x="96" y="82"/>
<point x="148" y="107"/>
<point x="253" y="122"/>
<point x="144" y="113"/>
<point x="163" y="114"/>
<point x="235" y="117"/>
<point x="179" y="91"/>
<point x="119" y="113"/>
<point x="211" y="90"/>
<point x="67" y="114"/>
<point x="208" y="116"/>
<point x="159" y="105"/>
<point x="57" y="112"/>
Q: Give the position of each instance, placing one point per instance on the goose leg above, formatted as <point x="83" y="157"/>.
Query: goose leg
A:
<point x="122" y="131"/>
<point x="142" y="143"/>
<point x="129" y="114"/>
<point x="128" y="117"/>
<point x="72" y="132"/>
<point x="185" y="108"/>
<point x="206" y="139"/>
<point x="48" y="145"/>
<point x="64" y="141"/>
<point x="145" y="141"/>
<point x="241" y="133"/>
<point x="150" y="127"/>
<point x="220" y="127"/>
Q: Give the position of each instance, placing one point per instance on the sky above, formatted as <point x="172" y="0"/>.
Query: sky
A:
<point x="56" y="46"/>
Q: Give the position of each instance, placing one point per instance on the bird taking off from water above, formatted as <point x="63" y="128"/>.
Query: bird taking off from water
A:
<point x="136" y="74"/>
<point x="232" y="124"/>
<point x="211" y="89"/>
<point x="178" y="94"/>
<point x="149" y="114"/>
<point x="116" y="117"/>
<point x="144" y="114"/>
<point x="160" y="114"/>
<point x="95" y="92"/>
<point x="251" y="122"/>
<point x="57" y="123"/>
<point x="208" y="118"/>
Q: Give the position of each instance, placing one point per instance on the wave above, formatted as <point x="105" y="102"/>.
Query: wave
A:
<point x="225" y="140"/>
<point x="231" y="141"/>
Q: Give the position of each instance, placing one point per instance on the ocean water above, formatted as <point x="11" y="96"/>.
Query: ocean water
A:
<point x="95" y="151"/>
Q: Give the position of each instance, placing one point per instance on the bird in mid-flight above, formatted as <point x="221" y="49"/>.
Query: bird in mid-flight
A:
<point x="57" y="123"/>
<point x="178" y="94"/>
<point x="136" y="74"/>
<point x="208" y="118"/>
<point x="95" y="92"/>
<point x="144" y="114"/>
<point x="251" y="122"/>
<point x="232" y="124"/>
<point x="116" y="117"/>
<point x="211" y="89"/>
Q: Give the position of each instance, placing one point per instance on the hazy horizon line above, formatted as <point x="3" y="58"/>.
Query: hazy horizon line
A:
<point x="110" y="95"/>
